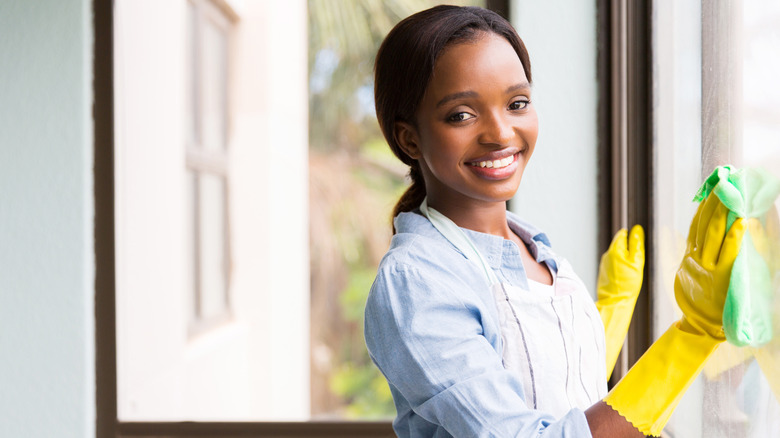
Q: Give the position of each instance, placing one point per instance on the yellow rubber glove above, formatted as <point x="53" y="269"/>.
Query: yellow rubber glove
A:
<point x="767" y="243"/>
<point x="620" y="280"/>
<point x="653" y="387"/>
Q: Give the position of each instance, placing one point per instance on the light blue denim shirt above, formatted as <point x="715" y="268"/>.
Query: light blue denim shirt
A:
<point x="432" y="328"/>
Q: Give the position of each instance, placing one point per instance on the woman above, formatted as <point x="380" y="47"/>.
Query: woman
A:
<point x="478" y="326"/>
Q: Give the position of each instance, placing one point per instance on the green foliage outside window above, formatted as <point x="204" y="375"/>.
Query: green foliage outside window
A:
<point x="354" y="183"/>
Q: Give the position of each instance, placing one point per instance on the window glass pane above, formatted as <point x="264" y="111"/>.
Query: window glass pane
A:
<point x="677" y="146"/>
<point x="758" y="392"/>
<point x="212" y="245"/>
<point x="190" y="280"/>
<point x="192" y="95"/>
<point x="761" y="69"/>
<point x="715" y="103"/>
<point x="174" y="362"/>
<point x="214" y="85"/>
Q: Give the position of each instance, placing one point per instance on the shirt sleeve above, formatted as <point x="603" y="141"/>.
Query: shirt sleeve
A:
<point x="429" y="343"/>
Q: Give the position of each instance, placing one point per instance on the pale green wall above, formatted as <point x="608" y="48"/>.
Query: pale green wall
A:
<point x="46" y="247"/>
<point x="559" y="192"/>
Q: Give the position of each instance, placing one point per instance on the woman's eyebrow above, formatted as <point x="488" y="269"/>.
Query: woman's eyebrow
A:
<point x="457" y="95"/>
<point x="461" y="94"/>
<point x="519" y="86"/>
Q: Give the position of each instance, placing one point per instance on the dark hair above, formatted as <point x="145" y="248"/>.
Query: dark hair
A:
<point x="404" y="65"/>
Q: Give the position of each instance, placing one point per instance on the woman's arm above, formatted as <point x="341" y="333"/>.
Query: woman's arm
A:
<point x="646" y="397"/>
<point x="430" y="342"/>
<point x="433" y="351"/>
<point x="607" y="422"/>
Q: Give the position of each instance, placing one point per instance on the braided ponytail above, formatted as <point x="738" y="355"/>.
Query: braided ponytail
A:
<point x="414" y="195"/>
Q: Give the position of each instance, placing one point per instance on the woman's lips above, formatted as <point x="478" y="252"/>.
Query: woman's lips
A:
<point x="498" y="158"/>
<point x="494" y="164"/>
<point x="495" y="169"/>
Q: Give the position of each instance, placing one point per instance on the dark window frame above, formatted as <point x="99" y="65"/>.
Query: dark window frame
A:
<point x="626" y="147"/>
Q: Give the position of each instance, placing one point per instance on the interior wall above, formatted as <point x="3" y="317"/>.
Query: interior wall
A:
<point x="559" y="192"/>
<point x="46" y="217"/>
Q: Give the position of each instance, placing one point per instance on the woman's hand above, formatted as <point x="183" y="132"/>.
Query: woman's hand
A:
<point x="702" y="282"/>
<point x="619" y="283"/>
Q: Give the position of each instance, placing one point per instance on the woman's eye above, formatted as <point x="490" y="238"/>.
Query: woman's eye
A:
<point x="459" y="117"/>
<point x="519" y="104"/>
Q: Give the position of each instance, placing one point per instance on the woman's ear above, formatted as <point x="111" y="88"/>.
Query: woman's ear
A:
<point x="407" y="139"/>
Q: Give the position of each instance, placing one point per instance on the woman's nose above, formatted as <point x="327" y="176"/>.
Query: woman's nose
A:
<point x="497" y="130"/>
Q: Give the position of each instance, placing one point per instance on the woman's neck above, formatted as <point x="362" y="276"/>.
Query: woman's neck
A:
<point x="484" y="217"/>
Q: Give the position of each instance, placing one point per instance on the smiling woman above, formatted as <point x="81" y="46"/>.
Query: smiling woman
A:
<point x="460" y="115"/>
<point x="478" y="326"/>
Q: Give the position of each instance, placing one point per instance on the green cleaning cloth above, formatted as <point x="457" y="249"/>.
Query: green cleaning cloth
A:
<point x="747" y="193"/>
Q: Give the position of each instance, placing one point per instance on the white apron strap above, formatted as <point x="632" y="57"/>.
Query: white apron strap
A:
<point x="457" y="237"/>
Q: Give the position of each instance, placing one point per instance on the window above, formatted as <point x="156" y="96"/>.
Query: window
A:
<point x="715" y="103"/>
<point x="223" y="321"/>
<point x="207" y="162"/>
<point x="194" y="337"/>
<point x="240" y="272"/>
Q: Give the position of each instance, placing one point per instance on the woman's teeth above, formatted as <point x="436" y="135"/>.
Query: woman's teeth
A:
<point x="495" y="164"/>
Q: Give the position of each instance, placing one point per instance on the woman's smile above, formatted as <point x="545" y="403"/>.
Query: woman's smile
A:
<point x="495" y="168"/>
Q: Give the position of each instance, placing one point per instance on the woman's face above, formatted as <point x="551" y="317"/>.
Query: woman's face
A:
<point x="476" y="128"/>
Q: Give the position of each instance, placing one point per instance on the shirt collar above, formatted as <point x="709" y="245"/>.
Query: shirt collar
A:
<point x="489" y="245"/>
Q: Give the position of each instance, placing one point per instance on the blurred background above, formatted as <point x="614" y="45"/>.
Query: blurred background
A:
<point x="245" y="253"/>
<point x="252" y="191"/>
